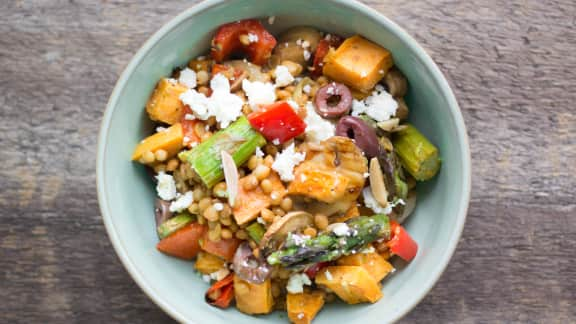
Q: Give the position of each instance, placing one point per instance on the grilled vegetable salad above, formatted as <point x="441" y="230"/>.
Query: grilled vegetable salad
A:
<point x="285" y="166"/>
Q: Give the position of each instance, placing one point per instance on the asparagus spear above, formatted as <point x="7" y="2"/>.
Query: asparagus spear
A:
<point x="173" y="224"/>
<point x="238" y="139"/>
<point x="329" y="246"/>
<point x="419" y="157"/>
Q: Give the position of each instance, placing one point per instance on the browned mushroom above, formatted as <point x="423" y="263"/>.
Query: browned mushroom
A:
<point x="280" y="228"/>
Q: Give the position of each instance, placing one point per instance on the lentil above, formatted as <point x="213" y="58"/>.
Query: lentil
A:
<point x="279" y="211"/>
<point x="226" y="233"/>
<point x="276" y="198"/>
<point x="286" y="204"/>
<point x="253" y="162"/>
<point x="172" y="164"/>
<point x="267" y="215"/>
<point x="266" y="186"/>
<point x="310" y="231"/>
<point x="241" y="234"/>
<point x="261" y="172"/>
<point x="204" y="203"/>
<point x="147" y="158"/>
<point x="211" y="214"/>
<point x="251" y="182"/>
<point x="321" y="221"/>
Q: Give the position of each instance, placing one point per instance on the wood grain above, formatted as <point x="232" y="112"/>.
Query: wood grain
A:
<point x="511" y="64"/>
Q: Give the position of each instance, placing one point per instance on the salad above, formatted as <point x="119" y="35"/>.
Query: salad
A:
<point x="285" y="166"/>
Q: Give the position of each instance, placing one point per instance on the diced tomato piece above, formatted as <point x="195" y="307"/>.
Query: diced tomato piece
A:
<point x="277" y="121"/>
<point x="184" y="243"/>
<point x="315" y="268"/>
<point x="190" y="136"/>
<point x="321" y="51"/>
<point x="221" y="293"/>
<point x="225" y="248"/>
<point x="401" y="243"/>
<point x="227" y="41"/>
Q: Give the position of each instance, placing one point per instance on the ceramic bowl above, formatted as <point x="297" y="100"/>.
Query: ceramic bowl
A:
<point x="126" y="195"/>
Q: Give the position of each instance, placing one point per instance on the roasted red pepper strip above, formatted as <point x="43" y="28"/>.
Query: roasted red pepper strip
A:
<point x="315" y="268"/>
<point x="401" y="243"/>
<point x="188" y="125"/>
<point x="221" y="293"/>
<point x="321" y="51"/>
<point x="227" y="41"/>
<point x="277" y="121"/>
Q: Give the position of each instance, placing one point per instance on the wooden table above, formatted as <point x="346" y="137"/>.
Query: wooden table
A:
<point x="512" y="66"/>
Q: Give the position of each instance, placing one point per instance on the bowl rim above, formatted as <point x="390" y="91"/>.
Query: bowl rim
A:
<point x="198" y="8"/>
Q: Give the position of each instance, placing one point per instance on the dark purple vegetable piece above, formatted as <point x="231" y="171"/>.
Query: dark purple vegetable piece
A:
<point x="162" y="211"/>
<point x="363" y="135"/>
<point x="333" y="100"/>
<point x="248" y="267"/>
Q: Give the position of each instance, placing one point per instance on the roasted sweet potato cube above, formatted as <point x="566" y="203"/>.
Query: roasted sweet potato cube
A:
<point x="208" y="263"/>
<point x="373" y="262"/>
<point x="169" y="140"/>
<point x="304" y="306"/>
<point x="323" y="185"/>
<point x="164" y="105"/>
<point x="253" y="298"/>
<point x="353" y="284"/>
<point x="251" y="202"/>
<point x="358" y="63"/>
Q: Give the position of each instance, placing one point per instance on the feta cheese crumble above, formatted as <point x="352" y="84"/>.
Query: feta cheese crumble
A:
<point x="283" y="76"/>
<point x="317" y="128"/>
<point x="307" y="88"/>
<point x="306" y="54"/>
<point x="370" y="202"/>
<point x="259" y="93"/>
<point x="285" y="162"/>
<point x="166" y="187"/>
<point x="340" y="229"/>
<point x="188" y="78"/>
<point x="300" y="315"/>
<point x="380" y="105"/>
<point x="223" y="105"/>
<point x="271" y="20"/>
<point x="182" y="202"/>
<point x="161" y="129"/>
<point x="218" y="206"/>
<point x="296" y="283"/>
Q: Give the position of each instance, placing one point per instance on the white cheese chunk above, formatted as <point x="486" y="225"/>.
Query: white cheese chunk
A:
<point x="188" y="78"/>
<point x="259" y="93"/>
<point x="296" y="283"/>
<point x="182" y="202"/>
<point x="166" y="187"/>
<point x="223" y="105"/>
<point x="285" y="162"/>
<point x="283" y="76"/>
<point x="328" y="275"/>
<point x="340" y="229"/>
<point x="317" y="128"/>
<point x="379" y="106"/>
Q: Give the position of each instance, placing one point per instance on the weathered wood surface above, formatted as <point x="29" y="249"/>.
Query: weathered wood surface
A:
<point x="511" y="64"/>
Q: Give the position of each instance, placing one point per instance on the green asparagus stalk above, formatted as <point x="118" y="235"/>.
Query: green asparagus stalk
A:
<point x="238" y="139"/>
<point x="256" y="231"/>
<point x="329" y="246"/>
<point x="173" y="224"/>
<point x="419" y="157"/>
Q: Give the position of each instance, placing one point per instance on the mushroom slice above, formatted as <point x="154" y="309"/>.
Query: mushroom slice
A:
<point x="388" y="125"/>
<point x="290" y="222"/>
<point x="377" y="185"/>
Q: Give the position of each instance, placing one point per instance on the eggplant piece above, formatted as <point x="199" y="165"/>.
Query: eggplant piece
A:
<point x="162" y="212"/>
<point x="248" y="267"/>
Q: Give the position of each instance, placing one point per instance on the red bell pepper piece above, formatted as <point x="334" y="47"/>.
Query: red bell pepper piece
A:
<point x="321" y="51"/>
<point x="401" y="243"/>
<point x="227" y="41"/>
<point x="315" y="268"/>
<point x="190" y="136"/>
<point x="221" y="293"/>
<point x="277" y="121"/>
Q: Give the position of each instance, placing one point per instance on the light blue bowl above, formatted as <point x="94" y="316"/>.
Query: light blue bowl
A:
<point x="126" y="195"/>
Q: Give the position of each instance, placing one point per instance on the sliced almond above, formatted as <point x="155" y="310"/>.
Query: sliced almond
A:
<point x="230" y="176"/>
<point x="377" y="184"/>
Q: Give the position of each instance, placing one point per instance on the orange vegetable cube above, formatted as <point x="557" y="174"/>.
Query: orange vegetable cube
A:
<point x="170" y="140"/>
<point x="358" y="63"/>
<point x="164" y="105"/>
<point x="249" y="203"/>
<point x="303" y="307"/>
<point x="373" y="262"/>
<point x="253" y="298"/>
<point x="353" y="284"/>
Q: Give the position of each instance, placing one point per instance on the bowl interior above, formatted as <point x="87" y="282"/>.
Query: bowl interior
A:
<point x="126" y="194"/>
